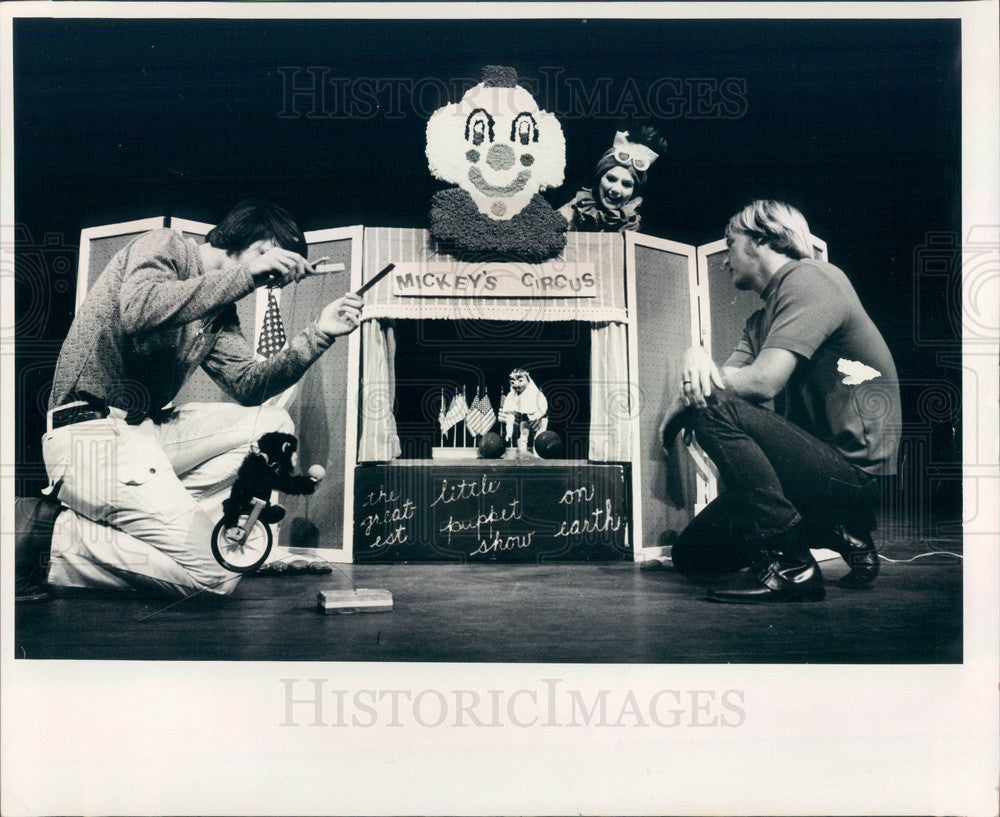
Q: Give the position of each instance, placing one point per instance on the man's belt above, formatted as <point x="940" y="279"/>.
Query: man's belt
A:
<point x="77" y="412"/>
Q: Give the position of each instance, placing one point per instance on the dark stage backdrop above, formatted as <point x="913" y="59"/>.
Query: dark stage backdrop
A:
<point x="855" y="122"/>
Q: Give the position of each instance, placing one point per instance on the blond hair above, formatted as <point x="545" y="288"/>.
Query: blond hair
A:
<point x="776" y="224"/>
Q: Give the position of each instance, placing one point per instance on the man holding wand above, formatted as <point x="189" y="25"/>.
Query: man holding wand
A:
<point x="143" y="482"/>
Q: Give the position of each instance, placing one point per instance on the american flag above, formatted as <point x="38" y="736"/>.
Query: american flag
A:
<point x="272" y="334"/>
<point x="456" y="412"/>
<point x="481" y="416"/>
<point x="474" y="418"/>
<point x="486" y="407"/>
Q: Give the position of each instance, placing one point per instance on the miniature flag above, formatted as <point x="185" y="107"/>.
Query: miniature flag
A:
<point x="445" y="417"/>
<point x="481" y="417"/>
<point x="475" y="417"/>
<point x="272" y="333"/>
<point x="456" y="412"/>
<point x="463" y="407"/>
<point x="486" y="407"/>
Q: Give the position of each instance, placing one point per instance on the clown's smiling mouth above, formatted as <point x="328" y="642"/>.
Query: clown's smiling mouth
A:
<point x="483" y="186"/>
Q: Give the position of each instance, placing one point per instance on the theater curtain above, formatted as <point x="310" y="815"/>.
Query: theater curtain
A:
<point x="379" y="441"/>
<point x="611" y="399"/>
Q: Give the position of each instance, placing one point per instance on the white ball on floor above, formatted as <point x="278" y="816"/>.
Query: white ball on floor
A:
<point x="317" y="472"/>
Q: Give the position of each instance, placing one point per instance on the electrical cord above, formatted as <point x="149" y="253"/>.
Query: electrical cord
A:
<point x="921" y="556"/>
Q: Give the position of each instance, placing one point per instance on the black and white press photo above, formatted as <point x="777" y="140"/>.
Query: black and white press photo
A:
<point x="390" y="383"/>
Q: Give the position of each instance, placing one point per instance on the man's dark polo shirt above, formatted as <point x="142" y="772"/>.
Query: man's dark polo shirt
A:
<point x="844" y="389"/>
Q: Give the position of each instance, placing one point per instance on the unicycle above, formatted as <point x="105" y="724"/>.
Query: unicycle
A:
<point x="244" y="547"/>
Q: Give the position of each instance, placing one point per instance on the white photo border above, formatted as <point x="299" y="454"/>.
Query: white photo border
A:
<point x="207" y="737"/>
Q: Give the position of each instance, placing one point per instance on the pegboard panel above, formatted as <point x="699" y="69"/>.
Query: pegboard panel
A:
<point x="662" y="316"/>
<point x="320" y="411"/>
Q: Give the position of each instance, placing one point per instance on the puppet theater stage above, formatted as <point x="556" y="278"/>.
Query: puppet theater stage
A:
<point x="624" y="306"/>
<point x="504" y="560"/>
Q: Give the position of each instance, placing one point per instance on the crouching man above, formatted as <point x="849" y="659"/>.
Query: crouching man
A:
<point x="143" y="486"/>
<point x="806" y="474"/>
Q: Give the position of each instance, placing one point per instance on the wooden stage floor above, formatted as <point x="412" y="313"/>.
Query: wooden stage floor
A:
<point x="581" y="613"/>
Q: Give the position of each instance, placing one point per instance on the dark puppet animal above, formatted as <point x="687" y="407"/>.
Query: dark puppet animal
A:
<point x="269" y="468"/>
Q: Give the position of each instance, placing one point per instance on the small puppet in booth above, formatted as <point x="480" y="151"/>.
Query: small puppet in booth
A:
<point x="524" y="409"/>
<point x="500" y="149"/>
<point x="611" y="203"/>
<point x="270" y="466"/>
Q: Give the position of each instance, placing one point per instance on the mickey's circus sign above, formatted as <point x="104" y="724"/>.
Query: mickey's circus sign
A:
<point x="556" y="279"/>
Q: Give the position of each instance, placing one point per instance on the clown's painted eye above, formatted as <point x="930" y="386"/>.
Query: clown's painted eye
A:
<point x="478" y="126"/>
<point x="524" y="129"/>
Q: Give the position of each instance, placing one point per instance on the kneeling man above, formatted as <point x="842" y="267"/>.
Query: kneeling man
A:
<point x="142" y="483"/>
<point x="804" y="475"/>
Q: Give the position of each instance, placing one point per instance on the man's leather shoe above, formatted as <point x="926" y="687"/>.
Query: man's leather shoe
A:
<point x="33" y="524"/>
<point x="29" y="590"/>
<point x="776" y="578"/>
<point x="858" y="550"/>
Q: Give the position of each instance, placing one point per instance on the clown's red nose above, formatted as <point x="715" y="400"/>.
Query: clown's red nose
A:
<point x="500" y="157"/>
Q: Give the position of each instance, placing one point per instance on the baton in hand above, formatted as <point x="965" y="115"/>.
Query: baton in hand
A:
<point x="369" y="284"/>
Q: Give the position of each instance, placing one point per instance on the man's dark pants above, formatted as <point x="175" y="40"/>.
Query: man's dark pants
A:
<point x="775" y="475"/>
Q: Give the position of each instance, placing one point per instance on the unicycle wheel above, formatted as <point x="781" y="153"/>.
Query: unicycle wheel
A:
<point x="242" y="557"/>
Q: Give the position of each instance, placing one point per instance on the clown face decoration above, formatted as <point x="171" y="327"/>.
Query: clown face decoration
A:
<point x="500" y="149"/>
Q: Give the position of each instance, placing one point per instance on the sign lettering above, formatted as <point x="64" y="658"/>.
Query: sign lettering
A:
<point x="555" y="279"/>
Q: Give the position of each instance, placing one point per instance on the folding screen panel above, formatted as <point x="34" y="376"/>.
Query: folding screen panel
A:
<point x="325" y="407"/>
<point x="663" y="323"/>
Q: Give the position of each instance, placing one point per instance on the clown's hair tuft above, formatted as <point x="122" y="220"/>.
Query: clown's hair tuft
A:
<point x="499" y="76"/>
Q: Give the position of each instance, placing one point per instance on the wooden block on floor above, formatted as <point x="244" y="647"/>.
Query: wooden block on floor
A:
<point x="361" y="600"/>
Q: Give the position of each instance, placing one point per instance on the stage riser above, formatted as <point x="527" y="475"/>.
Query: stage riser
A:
<point x="489" y="512"/>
